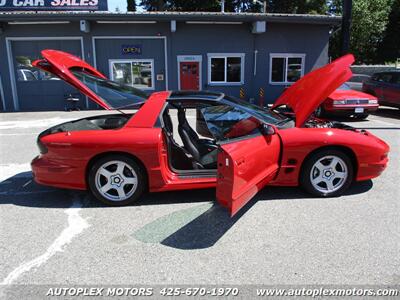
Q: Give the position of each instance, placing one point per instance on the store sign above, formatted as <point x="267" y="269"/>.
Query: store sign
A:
<point x="12" y="5"/>
<point x="131" y="49"/>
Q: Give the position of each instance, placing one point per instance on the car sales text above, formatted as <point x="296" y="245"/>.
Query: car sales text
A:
<point x="54" y="3"/>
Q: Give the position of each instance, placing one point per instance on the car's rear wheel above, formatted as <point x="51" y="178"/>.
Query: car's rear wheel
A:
<point x="327" y="173"/>
<point x="116" y="180"/>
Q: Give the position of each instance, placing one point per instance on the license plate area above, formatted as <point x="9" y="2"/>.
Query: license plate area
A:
<point x="359" y="110"/>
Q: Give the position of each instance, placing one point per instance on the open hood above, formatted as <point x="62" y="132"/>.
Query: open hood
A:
<point x="306" y="94"/>
<point x="89" y="81"/>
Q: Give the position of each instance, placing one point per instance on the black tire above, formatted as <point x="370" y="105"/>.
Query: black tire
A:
<point x="308" y="167"/>
<point x="361" y="116"/>
<point x="131" y="164"/>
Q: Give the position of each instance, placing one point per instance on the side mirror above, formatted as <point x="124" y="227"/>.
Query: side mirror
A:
<point x="267" y="129"/>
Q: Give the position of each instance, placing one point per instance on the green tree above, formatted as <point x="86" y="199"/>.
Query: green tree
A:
<point x="153" y="5"/>
<point x="297" y="6"/>
<point x="369" y="19"/>
<point x="131" y="5"/>
<point x="389" y="49"/>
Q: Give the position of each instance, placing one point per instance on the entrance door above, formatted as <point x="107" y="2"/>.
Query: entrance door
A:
<point x="244" y="168"/>
<point x="189" y="75"/>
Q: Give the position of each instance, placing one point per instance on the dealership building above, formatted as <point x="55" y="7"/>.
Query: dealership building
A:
<point x="242" y="54"/>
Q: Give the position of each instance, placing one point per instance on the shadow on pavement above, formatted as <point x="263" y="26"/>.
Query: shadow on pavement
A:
<point x="388" y="112"/>
<point x="198" y="232"/>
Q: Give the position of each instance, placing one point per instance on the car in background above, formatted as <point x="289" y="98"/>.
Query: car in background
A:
<point x="346" y="102"/>
<point x="385" y="86"/>
<point x="357" y="80"/>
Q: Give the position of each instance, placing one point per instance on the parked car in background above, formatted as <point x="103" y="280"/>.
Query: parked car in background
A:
<point x="385" y="86"/>
<point x="346" y="102"/>
<point x="357" y="80"/>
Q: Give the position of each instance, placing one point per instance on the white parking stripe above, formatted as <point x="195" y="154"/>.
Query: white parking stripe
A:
<point x="76" y="224"/>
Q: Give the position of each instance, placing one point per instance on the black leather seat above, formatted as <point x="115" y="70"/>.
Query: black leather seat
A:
<point x="203" y="151"/>
<point x="177" y="156"/>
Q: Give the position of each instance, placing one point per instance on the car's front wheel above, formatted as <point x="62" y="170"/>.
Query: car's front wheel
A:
<point x="327" y="173"/>
<point x="116" y="180"/>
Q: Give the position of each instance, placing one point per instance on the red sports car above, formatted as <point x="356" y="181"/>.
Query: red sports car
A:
<point x="236" y="147"/>
<point x="346" y="102"/>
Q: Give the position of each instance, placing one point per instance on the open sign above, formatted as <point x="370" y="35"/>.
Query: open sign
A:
<point x="131" y="49"/>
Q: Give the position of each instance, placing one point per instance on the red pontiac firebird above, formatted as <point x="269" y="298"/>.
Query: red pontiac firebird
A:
<point x="192" y="140"/>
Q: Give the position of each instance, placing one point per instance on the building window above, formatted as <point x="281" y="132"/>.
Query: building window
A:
<point x="136" y="73"/>
<point x="225" y="69"/>
<point x="286" y="68"/>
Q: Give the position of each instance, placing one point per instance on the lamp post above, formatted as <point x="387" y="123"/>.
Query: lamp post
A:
<point x="346" y="23"/>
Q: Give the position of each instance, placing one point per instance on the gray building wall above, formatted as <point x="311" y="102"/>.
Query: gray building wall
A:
<point x="189" y="39"/>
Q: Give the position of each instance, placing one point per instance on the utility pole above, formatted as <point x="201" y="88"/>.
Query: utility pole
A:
<point x="263" y="5"/>
<point x="346" y="23"/>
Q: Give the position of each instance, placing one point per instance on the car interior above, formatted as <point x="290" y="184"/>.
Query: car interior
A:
<point x="188" y="149"/>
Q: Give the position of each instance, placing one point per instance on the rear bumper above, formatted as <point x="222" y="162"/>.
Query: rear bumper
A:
<point x="53" y="173"/>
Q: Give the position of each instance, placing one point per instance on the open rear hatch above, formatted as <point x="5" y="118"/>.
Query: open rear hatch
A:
<point x="106" y="93"/>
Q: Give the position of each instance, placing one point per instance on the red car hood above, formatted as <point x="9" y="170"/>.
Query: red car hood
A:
<point x="306" y="94"/>
<point x="60" y="63"/>
<point x="350" y="94"/>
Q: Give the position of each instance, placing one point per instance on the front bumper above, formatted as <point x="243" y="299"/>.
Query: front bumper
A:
<point x="350" y="109"/>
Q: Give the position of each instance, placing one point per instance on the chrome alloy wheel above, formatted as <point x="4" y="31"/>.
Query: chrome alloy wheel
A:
<point x="116" y="180"/>
<point x="328" y="174"/>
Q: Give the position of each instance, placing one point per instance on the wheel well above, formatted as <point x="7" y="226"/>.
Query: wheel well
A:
<point x="349" y="152"/>
<point x="101" y="155"/>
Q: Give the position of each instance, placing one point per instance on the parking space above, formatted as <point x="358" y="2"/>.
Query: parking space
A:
<point x="53" y="236"/>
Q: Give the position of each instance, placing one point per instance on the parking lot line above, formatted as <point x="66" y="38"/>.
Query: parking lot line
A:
<point x="76" y="224"/>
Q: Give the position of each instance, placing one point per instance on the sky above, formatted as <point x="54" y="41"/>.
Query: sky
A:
<point x="121" y="4"/>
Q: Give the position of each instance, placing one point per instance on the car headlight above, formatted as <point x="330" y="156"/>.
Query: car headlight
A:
<point x="339" y="102"/>
<point x="372" y="101"/>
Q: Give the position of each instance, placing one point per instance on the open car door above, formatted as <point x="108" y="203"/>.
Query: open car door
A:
<point x="245" y="166"/>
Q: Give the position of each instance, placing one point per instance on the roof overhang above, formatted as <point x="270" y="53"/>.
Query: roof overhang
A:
<point x="169" y="16"/>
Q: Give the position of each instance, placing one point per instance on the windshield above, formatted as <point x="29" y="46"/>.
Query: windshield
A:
<point x="265" y="115"/>
<point x="114" y="94"/>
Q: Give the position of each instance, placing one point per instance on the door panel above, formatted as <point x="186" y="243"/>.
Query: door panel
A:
<point x="189" y="75"/>
<point x="244" y="168"/>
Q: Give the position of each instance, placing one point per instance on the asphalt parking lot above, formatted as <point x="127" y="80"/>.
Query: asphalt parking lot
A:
<point x="53" y="236"/>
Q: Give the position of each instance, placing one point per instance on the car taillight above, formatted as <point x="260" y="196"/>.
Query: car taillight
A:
<point x="41" y="146"/>
<point x="372" y="101"/>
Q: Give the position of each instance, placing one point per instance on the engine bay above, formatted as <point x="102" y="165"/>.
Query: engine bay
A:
<point x="321" y="123"/>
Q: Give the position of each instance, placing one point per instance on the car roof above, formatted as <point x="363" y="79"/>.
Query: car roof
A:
<point x="196" y="95"/>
